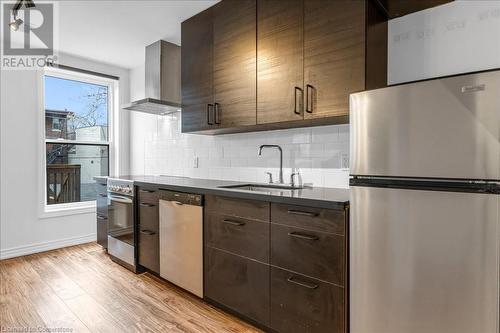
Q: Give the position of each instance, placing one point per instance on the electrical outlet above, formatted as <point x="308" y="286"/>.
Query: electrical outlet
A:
<point x="195" y="162"/>
<point x="344" y="161"/>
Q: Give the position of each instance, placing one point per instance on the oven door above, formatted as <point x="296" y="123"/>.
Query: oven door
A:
<point x="121" y="228"/>
<point x="121" y="218"/>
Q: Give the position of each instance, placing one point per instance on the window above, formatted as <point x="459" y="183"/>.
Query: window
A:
<point x="78" y="112"/>
<point x="57" y="124"/>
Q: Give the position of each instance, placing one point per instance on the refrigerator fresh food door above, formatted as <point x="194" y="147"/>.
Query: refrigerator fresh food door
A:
<point x="423" y="261"/>
<point x="446" y="128"/>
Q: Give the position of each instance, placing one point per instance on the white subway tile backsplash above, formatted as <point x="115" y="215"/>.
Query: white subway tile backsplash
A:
<point x="343" y="133"/>
<point x="336" y="178"/>
<point x="325" y="134"/>
<point x="316" y="152"/>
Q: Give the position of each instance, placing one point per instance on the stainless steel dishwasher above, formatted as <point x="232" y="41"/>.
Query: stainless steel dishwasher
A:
<point x="181" y="240"/>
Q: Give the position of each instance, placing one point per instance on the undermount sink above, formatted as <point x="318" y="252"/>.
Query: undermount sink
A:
<point x="262" y="187"/>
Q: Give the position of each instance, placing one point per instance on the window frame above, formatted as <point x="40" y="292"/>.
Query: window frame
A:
<point x="82" y="207"/>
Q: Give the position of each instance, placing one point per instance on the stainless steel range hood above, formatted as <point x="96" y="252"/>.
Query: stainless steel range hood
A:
<point x="163" y="80"/>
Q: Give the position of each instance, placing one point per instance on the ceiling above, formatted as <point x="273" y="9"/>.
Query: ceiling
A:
<point x="116" y="32"/>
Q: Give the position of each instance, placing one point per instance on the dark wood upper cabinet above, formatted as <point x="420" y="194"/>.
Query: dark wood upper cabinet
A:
<point x="234" y="71"/>
<point x="250" y="65"/>
<point x="397" y="8"/>
<point x="279" y="60"/>
<point x="376" y="46"/>
<point x="311" y="56"/>
<point x="197" y="72"/>
<point x="219" y="67"/>
<point x="334" y="55"/>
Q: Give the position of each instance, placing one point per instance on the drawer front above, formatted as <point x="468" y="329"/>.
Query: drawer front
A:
<point x="149" y="217"/>
<point x="149" y="250"/>
<point x="147" y="194"/>
<point x="249" y="238"/>
<point x="102" y="205"/>
<point x="101" y="188"/>
<point x="254" y="210"/>
<point x="327" y="220"/>
<point x="102" y="230"/>
<point x="237" y="283"/>
<point x="312" y="253"/>
<point x="301" y="304"/>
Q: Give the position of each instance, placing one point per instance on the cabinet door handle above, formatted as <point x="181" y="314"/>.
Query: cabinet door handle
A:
<point x="299" y="212"/>
<point x="309" y="98"/>
<point x="144" y="204"/>
<point x="293" y="279"/>
<point x="148" y="232"/>
<point x="209" y="118"/>
<point x="235" y="223"/>
<point x="103" y="195"/>
<point x="302" y="236"/>
<point x="100" y="217"/>
<point x="295" y="100"/>
<point x="216" y="113"/>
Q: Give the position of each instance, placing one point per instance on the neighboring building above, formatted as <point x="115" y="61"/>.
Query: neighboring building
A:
<point x="57" y="126"/>
<point x="71" y="166"/>
<point x="93" y="159"/>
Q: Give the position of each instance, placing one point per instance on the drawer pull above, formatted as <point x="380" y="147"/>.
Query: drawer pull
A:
<point x="146" y="191"/>
<point x="236" y="223"/>
<point x="100" y="217"/>
<point x="146" y="204"/>
<point x="304" y="284"/>
<point x="104" y="195"/>
<point x="302" y="236"/>
<point x="148" y="232"/>
<point x="298" y="212"/>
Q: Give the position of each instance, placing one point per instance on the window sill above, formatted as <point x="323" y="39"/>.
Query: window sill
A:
<point x="68" y="209"/>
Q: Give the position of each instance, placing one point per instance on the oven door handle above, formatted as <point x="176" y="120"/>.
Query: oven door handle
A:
<point x="120" y="199"/>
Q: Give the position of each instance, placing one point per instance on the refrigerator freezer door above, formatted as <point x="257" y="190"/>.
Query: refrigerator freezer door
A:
<point x="447" y="128"/>
<point x="423" y="261"/>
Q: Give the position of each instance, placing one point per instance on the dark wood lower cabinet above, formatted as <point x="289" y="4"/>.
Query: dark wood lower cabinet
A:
<point x="102" y="212"/>
<point x="149" y="228"/>
<point x="283" y="267"/>
<point x="102" y="230"/>
<point x="245" y="237"/>
<point x="317" y="254"/>
<point x="237" y="283"/>
<point x="303" y="304"/>
<point x="149" y="246"/>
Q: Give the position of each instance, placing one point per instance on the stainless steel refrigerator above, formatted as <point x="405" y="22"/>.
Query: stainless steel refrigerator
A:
<point x="425" y="230"/>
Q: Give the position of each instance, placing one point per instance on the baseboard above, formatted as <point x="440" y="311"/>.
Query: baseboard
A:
<point x="45" y="246"/>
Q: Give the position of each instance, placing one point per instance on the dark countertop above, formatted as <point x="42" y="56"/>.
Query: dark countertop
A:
<point x="320" y="197"/>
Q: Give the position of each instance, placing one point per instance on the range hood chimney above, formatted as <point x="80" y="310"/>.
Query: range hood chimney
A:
<point x="163" y="80"/>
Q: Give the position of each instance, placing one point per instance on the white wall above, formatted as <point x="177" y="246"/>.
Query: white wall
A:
<point x="158" y="147"/>
<point x="458" y="37"/>
<point x="22" y="229"/>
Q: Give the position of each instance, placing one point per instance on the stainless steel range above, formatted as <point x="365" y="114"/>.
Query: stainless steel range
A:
<point x="121" y="230"/>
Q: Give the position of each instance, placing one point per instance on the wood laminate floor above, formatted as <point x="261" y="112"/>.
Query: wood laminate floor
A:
<point x="79" y="289"/>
